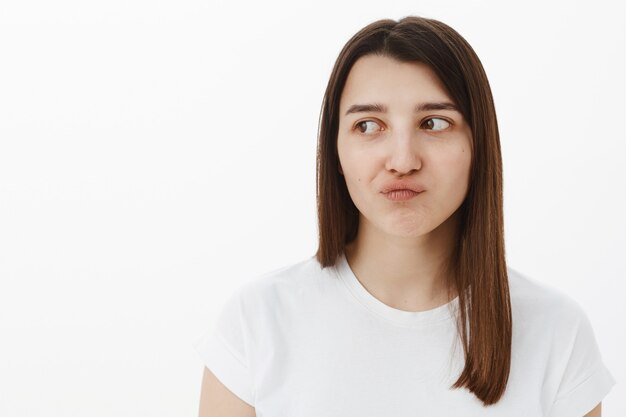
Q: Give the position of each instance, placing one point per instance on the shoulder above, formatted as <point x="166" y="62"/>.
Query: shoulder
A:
<point x="554" y="342"/>
<point x="286" y="285"/>
<point x="533" y="301"/>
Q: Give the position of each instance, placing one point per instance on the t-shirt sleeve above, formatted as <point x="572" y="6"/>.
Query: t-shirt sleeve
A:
<point x="223" y="349"/>
<point x="585" y="380"/>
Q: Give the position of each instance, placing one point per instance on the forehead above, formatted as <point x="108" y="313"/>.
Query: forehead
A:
<point x="384" y="79"/>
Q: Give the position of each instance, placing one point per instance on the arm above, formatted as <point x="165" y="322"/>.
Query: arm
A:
<point x="217" y="401"/>
<point x="596" y="412"/>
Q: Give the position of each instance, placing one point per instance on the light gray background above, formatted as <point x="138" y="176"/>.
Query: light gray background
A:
<point x="155" y="155"/>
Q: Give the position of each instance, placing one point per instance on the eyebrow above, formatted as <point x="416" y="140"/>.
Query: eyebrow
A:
<point x="381" y="108"/>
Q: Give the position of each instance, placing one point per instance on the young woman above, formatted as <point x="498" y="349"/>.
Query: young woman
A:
<point x="408" y="307"/>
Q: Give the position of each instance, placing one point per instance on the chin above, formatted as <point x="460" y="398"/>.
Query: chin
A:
<point x="407" y="229"/>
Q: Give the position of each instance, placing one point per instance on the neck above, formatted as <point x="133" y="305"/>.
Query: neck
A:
<point x="404" y="272"/>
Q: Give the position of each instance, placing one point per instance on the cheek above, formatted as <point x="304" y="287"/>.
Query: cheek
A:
<point x="351" y="161"/>
<point x="356" y="176"/>
<point x="454" y="169"/>
<point x="461" y="159"/>
<point x="452" y="157"/>
<point x="463" y="175"/>
<point x="464" y="160"/>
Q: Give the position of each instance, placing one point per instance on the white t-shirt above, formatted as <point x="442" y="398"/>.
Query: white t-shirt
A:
<point x="302" y="341"/>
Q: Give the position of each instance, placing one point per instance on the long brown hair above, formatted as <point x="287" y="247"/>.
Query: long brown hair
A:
<point x="477" y="265"/>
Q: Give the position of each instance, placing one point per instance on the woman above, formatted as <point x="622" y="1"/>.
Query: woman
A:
<point x="408" y="307"/>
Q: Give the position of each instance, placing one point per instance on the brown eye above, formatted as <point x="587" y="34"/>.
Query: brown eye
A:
<point x="436" y="124"/>
<point x="364" y="124"/>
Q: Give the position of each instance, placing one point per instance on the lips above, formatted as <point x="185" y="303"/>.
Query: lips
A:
<point x="401" y="185"/>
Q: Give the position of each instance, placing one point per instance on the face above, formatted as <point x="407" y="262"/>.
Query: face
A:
<point x="425" y="147"/>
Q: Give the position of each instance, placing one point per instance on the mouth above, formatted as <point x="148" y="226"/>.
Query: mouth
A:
<point x="401" y="186"/>
<point x="401" y="194"/>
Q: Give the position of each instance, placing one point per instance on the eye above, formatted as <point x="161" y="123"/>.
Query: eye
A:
<point x="363" y="123"/>
<point x="436" y="123"/>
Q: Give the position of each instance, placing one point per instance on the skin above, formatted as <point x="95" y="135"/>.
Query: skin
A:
<point x="218" y="401"/>
<point x="400" y="246"/>
<point x="596" y="412"/>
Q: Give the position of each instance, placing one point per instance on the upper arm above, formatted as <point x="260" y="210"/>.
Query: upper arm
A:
<point x="596" y="412"/>
<point x="218" y="401"/>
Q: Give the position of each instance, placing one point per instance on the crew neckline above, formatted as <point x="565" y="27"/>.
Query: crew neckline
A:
<point x="440" y="314"/>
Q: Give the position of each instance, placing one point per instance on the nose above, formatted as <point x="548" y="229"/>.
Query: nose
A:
<point x="403" y="155"/>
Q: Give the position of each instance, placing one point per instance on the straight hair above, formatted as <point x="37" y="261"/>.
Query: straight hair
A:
<point x="477" y="265"/>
